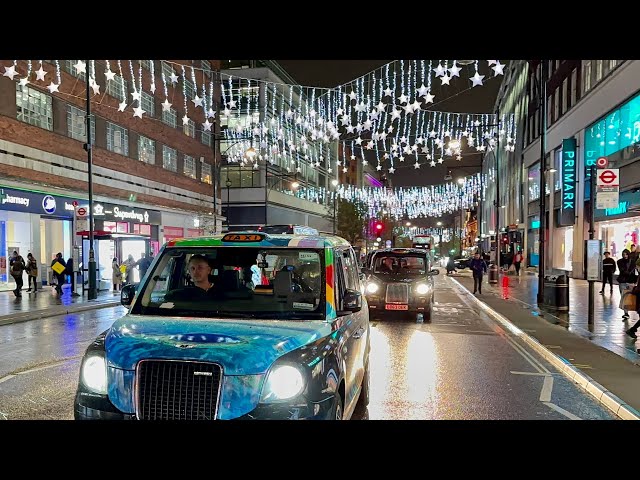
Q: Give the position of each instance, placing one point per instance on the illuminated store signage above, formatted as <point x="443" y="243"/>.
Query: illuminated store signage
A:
<point x="568" y="206"/>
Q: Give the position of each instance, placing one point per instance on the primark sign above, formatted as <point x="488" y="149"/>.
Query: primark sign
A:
<point x="35" y="202"/>
<point x="568" y="206"/>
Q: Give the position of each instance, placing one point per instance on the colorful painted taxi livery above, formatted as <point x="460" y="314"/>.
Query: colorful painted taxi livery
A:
<point x="245" y="325"/>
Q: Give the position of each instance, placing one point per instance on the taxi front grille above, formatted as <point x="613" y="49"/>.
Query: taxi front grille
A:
<point x="177" y="390"/>
<point x="397" y="293"/>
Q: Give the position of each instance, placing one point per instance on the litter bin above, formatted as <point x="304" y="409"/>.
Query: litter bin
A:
<point x="556" y="292"/>
<point x="493" y="273"/>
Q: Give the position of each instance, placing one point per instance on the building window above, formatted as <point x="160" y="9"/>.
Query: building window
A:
<point x="190" y="129"/>
<point x="574" y="87"/>
<point x="556" y="104"/>
<point x="170" y="117"/>
<point x="117" y="139"/>
<point x="206" y="138"/>
<point x="612" y="64"/>
<point x="599" y="72"/>
<point x="565" y="95"/>
<point x="77" y="124"/>
<point x="549" y="110"/>
<point x="189" y="166"/>
<point x="557" y="165"/>
<point x="147" y="104"/>
<point x="167" y="70"/>
<point x="69" y="67"/>
<point x="189" y="90"/>
<point x="117" y="88"/>
<point x="206" y="173"/>
<point x="586" y="76"/>
<point x="146" y="64"/>
<point x="169" y="158"/>
<point x="146" y="150"/>
<point x="206" y="65"/>
<point x="34" y="107"/>
<point x="534" y="182"/>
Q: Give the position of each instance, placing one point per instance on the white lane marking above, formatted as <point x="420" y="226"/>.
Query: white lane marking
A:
<point x="4" y="416"/>
<point x="8" y="377"/>
<point x="547" y="387"/>
<point x="561" y="410"/>
<point x="539" y="366"/>
<point x="537" y="374"/>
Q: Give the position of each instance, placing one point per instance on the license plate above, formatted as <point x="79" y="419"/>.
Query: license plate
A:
<point x="396" y="307"/>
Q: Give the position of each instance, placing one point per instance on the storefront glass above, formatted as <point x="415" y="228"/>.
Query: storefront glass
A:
<point x="617" y="235"/>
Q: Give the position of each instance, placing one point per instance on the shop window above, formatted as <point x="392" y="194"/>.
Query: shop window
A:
<point x="557" y="164"/>
<point x="534" y="182"/>
<point x="565" y="95"/>
<point x="205" y="138"/>
<point x="574" y="87"/>
<point x="167" y="71"/>
<point x="146" y="64"/>
<point x="34" y="107"/>
<point x="117" y="139"/>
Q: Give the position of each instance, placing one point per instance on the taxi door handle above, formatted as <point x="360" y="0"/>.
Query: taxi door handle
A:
<point x="358" y="333"/>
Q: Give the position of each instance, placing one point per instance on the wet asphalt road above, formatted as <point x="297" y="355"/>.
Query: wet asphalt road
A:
<point x="461" y="366"/>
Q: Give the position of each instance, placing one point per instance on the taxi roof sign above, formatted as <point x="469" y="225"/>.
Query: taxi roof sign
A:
<point x="243" y="237"/>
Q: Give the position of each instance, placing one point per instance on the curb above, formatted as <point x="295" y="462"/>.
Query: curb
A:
<point x="614" y="403"/>
<point x="51" y="312"/>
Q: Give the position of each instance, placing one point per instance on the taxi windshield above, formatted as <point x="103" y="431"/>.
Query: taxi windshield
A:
<point x="400" y="264"/>
<point x="236" y="282"/>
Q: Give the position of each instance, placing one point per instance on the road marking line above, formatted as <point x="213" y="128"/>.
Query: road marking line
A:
<point x="540" y="368"/>
<point x="7" y="377"/>
<point x="547" y="387"/>
<point x="562" y="411"/>
<point x="4" y="415"/>
<point x="538" y="374"/>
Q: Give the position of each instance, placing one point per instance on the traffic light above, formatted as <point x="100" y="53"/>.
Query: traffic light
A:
<point x="505" y="239"/>
<point x="378" y="227"/>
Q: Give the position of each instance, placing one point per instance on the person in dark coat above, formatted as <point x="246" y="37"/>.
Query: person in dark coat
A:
<point x="608" y="269"/>
<point x="59" y="276"/>
<point x="17" y="267"/>
<point x="478" y="267"/>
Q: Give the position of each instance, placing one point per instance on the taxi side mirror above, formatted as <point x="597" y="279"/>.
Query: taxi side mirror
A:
<point x="351" y="302"/>
<point x="127" y="294"/>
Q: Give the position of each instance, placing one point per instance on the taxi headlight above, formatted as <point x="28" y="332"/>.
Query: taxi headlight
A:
<point x="94" y="374"/>
<point x="372" y="288"/>
<point x="284" y="382"/>
<point x="422" y="289"/>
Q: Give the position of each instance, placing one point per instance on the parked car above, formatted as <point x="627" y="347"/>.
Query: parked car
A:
<point x="245" y="325"/>
<point x="400" y="280"/>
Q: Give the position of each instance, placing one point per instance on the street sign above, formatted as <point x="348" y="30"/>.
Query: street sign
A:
<point x="608" y="187"/>
<point x="594" y="259"/>
<point x="602" y="162"/>
<point x="82" y="212"/>
<point x="608" y="177"/>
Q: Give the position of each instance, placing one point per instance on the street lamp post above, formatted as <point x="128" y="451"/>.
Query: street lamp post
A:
<point x="542" y="92"/>
<point x="228" y="184"/>
<point x="440" y="233"/>
<point x="334" y="182"/>
<point x="93" y="290"/>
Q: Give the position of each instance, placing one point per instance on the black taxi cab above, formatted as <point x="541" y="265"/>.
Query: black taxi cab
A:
<point x="244" y="325"/>
<point x="400" y="281"/>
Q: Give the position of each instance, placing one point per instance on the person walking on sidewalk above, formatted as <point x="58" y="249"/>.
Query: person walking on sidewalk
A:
<point x="17" y="268"/>
<point x="608" y="269"/>
<point x="624" y="278"/>
<point x="32" y="272"/>
<point x="116" y="276"/>
<point x="517" y="260"/>
<point x="58" y="272"/>
<point x="632" y="331"/>
<point x="478" y="267"/>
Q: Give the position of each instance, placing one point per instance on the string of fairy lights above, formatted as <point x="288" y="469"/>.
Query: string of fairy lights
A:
<point x="388" y="112"/>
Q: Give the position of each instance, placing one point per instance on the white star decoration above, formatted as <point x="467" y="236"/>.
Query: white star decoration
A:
<point x="197" y="101"/>
<point x="455" y="70"/>
<point x="416" y="165"/>
<point x="136" y="96"/>
<point x="445" y="79"/>
<point x="392" y="170"/>
<point x="137" y="112"/>
<point x="122" y="106"/>
<point x="166" y="106"/>
<point x="96" y="88"/>
<point x="40" y="73"/>
<point x="498" y="68"/>
<point x="23" y="81"/>
<point x="173" y="77"/>
<point x="387" y="92"/>
<point x="432" y="163"/>
<point x="109" y="74"/>
<point x="439" y="70"/>
<point x="428" y="98"/>
<point x="80" y="67"/>
<point x="52" y="87"/>
<point x="477" y="79"/>
<point x="10" y="72"/>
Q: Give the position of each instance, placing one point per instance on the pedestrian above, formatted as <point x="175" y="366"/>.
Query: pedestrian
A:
<point x="633" y="254"/>
<point x="144" y="263"/>
<point x="517" y="260"/>
<point x="624" y="277"/>
<point x="58" y="265"/>
<point x="116" y="276"/>
<point x="129" y="263"/>
<point x="608" y="269"/>
<point x="478" y="267"/>
<point x="17" y="267"/>
<point x="32" y="272"/>
<point x="68" y="272"/>
<point x="636" y="291"/>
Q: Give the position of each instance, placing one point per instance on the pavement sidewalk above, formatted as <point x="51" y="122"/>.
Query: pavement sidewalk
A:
<point x="46" y="303"/>
<point x="598" y="356"/>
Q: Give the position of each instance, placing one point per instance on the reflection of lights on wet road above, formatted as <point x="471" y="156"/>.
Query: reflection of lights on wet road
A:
<point x="404" y="374"/>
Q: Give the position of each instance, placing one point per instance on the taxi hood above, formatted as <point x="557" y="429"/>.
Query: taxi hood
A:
<point x="241" y="347"/>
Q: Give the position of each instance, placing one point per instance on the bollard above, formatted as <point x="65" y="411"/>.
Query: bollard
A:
<point x="493" y="274"/>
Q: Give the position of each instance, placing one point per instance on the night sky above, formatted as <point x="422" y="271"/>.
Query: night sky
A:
<point x="458" y="97"/>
